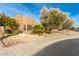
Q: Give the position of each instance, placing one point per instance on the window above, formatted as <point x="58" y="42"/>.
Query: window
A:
<point x="24" y="27"/>
<point x="29" y="27"/>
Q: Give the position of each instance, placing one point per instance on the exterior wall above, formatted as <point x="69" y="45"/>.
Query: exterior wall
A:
<point x="24" y="21"/>
<point x="19" y="20"/>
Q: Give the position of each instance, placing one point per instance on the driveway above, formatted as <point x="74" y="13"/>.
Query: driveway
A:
<point x="62" y="48"/>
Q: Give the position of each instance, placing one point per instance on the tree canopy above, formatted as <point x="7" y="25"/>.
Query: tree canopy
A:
<point x="7" y="20"/>
<point x="54" y="18"/>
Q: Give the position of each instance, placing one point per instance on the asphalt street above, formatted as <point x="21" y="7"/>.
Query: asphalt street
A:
<point x="62" y="48"/>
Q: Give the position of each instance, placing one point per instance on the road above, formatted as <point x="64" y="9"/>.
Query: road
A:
<point x="61" y="48"/>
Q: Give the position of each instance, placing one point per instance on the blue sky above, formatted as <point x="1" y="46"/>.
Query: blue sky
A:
<point x="33" y="9"/>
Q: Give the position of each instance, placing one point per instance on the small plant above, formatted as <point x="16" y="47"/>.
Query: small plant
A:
<point x="15" y="32"/>
<point x="38" y="29"/>
<point x="48" y="32"/>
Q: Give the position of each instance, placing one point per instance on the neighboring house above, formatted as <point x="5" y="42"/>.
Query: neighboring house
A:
<point x="25" y="23"/>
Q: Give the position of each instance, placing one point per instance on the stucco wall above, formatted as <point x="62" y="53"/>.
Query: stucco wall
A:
<point x="23" y="20"/>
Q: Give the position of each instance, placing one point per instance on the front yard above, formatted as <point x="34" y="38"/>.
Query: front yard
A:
<point x="29" y="44"/>
<point x="30" y="38"/>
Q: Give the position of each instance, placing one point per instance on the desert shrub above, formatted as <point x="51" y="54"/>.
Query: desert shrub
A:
<point x="48" y="32"/>
<point x="15" y="32"/>
<point x="7" y="31"/>
<point x="38" y="29"/>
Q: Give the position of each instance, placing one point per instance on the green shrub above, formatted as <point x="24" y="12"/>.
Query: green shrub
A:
<point x="48" y="32"/>
<point x="15" y="32"/>
<point x="38" y="29"/>
<point x="7" y="31"/>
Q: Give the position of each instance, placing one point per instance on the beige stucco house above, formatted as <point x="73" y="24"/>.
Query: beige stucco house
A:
<point x="25" y="23"/>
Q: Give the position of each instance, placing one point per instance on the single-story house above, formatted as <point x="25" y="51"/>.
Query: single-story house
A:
<point x="25" y="23"/>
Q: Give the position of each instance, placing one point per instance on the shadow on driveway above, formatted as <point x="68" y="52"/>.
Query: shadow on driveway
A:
<point x="62" y="48"/>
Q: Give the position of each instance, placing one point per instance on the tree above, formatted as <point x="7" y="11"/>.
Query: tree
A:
<point x="7" y="21"/>
<point x="68" y="24"/>
<point x="53" y="18"/>
<point x="46" y="19"/>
